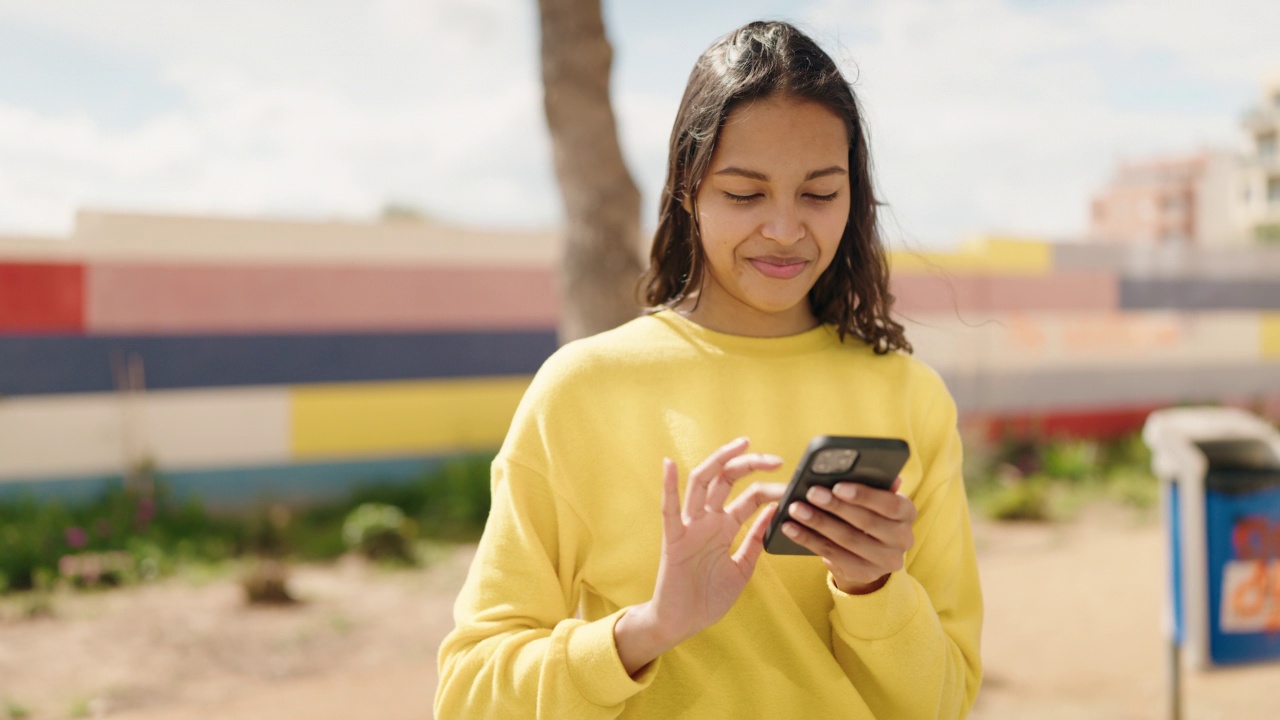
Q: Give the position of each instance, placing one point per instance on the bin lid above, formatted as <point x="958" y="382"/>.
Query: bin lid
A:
<point x="1239" y="454"/>
<point x="1190" y="442"/>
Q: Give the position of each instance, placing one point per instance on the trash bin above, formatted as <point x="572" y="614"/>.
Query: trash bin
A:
<point x="1220" y="476"/>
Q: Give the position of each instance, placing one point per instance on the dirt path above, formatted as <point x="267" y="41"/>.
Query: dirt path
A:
<point x="1075" y="628"/>
<point x="1074" y="617"/>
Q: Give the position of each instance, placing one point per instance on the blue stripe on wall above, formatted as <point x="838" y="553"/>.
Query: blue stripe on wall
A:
<point x="241" y="488"/>
<point x="32" y="365"/>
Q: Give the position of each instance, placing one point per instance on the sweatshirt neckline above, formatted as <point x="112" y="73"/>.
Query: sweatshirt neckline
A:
<point x="820" y="337"/>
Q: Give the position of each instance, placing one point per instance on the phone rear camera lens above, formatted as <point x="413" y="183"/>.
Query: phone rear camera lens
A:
<point x="834" y="461"/>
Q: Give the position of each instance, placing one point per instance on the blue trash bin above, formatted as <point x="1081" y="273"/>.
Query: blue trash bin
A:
<point x="1220" y="473"/>
<point x="1242" y="531"/>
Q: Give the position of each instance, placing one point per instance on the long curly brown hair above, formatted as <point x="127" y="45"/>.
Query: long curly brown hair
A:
<point x="756" y="61"/>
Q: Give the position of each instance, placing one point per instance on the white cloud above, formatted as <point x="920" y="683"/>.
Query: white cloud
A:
<point x="985" y="115"/>
<point x="990" y="116"/>
<point x="295" y="108"/>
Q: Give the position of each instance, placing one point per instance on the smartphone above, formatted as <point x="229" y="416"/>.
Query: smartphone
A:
<point x="832" y="459"/>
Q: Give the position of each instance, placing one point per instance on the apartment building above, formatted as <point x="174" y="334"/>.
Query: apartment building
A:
<point x="1182" y="200"/>
<point x="1259" y="180"/>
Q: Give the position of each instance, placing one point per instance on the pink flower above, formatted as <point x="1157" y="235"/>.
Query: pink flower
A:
<point x="77" y="537"/>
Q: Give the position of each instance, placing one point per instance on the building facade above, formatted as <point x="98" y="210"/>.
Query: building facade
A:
<point x="1259" y="181"/>
<point x="1183" y="200"/>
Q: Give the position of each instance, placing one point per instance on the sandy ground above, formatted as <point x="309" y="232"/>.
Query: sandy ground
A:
<point x="1074" y="618"/>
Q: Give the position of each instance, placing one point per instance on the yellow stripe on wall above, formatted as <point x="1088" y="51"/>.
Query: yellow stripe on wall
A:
<point x="403" y="417"/>
<point x="1270" y="340"/>
<point x="990" y="254"/>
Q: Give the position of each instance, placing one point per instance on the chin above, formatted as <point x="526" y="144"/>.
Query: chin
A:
<point x="776" y="307"/>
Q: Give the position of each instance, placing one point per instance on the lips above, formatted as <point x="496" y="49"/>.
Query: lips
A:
<point x="778" y="267"/>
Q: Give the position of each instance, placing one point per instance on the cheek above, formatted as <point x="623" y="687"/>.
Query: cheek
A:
<point x="829" y="228"/>
<point x="723" y="230"/>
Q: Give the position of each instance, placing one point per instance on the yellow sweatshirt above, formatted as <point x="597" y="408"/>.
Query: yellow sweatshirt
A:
<point x="575" y="530"/>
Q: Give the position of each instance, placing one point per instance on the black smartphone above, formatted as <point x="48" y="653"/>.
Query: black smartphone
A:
<point x="832" y="459"/>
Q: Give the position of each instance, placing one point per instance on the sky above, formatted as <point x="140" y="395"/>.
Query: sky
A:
<point x="985" y="116"/>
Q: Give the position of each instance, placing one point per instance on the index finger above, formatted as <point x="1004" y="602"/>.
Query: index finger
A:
<point x="701" y="476"/>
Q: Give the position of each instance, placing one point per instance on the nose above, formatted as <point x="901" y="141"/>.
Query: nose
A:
<point x="783" y="225"/>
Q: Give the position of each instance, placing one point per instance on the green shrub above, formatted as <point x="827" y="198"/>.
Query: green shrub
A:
<point x="1073" y="460"/>
<point x="112" y="539"/>
<point x="1026" y="499"/>
<point x="1025" y="479"/>
<point x="380" y="532"/>
<point x="123" y="537"/>
<point x="456" y="501"/>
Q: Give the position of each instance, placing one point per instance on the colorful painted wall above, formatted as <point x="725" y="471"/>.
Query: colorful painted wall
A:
<point x="293" y="359"/>
<point x="282" y="359"/>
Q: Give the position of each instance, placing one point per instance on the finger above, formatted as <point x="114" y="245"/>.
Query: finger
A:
<point x="852" y="538"/>
<point x="888" y="504"/>
<point x="896" y="534"/>
<point x="696" y="491"/>
<point x="752" y="498"/>
<point x="734" y="470"/>
<point x="740" y="467"/>
<point x="671" y="525"/>
<point x="840" y="561"/>
<point x="749" y="551"/>
<point x="839" y="512"/>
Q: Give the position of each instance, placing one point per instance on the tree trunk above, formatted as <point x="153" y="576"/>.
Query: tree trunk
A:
<point x="601" y="260"/>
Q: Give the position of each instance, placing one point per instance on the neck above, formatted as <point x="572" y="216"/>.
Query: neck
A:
<point x="745" y="321"/>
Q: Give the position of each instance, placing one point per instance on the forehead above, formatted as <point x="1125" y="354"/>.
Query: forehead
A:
<point x="781" y="132"/>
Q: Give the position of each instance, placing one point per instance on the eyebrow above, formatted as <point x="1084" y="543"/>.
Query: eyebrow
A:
<point x="756" y="175"/>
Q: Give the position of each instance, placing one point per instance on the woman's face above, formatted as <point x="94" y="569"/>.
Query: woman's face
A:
<point x="772" y="208"/>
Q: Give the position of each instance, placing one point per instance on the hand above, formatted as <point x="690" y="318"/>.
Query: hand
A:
<point x="698" y="578"/>
<point x="860" y="532"/>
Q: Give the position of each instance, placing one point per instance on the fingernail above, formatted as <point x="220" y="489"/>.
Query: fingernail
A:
<point x="846" y="491"/>
<point x="790" y="530"/>
<point x="802" y="511"/>
<point x="820" y="495"/>
<point x="772" y="458"/>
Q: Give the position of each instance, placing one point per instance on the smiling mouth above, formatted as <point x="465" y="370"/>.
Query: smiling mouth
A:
<point x="779" y="268"/>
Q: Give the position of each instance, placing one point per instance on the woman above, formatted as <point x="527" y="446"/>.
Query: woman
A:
<point x="596" y="591"/>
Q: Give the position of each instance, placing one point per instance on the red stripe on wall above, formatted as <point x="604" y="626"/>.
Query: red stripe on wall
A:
<point x="152" y="298"/>
<point x="41" y="298"/>
<point x="1099" y="424"/>
<point x="1059" y="291"/>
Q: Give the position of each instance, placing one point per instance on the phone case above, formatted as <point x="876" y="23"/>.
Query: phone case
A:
<point x="877" y="463"/>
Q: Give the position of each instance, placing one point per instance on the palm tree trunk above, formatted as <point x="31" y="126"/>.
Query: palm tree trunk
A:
<point x="601" y="260"/>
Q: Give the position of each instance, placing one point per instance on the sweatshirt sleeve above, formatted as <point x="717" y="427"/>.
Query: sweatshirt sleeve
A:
<point x="516" y="651"/>
<point x="912" y="647"/>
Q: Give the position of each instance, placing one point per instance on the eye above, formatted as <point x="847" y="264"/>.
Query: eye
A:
<point x="740" y="199"/>
<point x="823" y="198"/>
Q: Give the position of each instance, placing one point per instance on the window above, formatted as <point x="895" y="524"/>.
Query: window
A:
<point x="1273" y="189"/>
<point x="1267" y="146"/>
